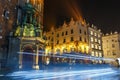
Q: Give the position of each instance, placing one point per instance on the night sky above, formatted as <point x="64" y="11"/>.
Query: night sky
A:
<point x="105" y="14"/>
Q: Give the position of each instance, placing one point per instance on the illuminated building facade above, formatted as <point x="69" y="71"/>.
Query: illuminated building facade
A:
<point x="39" y="7"/>
<point x="111" y="45"/>
<point x="95" y="41"/>
<point x="72" y="37"/>
<point x="27" y="37"/>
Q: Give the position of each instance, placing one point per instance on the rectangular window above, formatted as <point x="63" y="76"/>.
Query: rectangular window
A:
<point x="64" y="40"/>
<point x="99" y="47"/>
<point x="91" y="32"/>
<point x="57" y="41"/>
<point x="92" y="45"/>
<point x="99" y="36"/>
<point x="85" y="40"/>
<point x="95" y="39"/>
<point x="39" y="7"/>
<point x="57" y="35"/>
<point x="52" y="45"/>
<point x="66" y="33"/>
<point x="71" y="31"/>
<point x="113" y="45"/>
<point x="97" y="54"/>
<point x="99" y="41"/>
<point x="80" y="31"/>
<point x="112" y="40"/>
<point x="72" y="39"/>
<point x="93" y="54"/>
<point x="113" y="52"/>
<point x="95" y="34"/>
<point x="62" y="33"/>
<point x="96" y="47"/>
<point x="52" y="39"/>
<point x="85" y="32"/>
<point x="100" y="54"/>
<point x="91" y="39"/>
<point x="80" y="38"/>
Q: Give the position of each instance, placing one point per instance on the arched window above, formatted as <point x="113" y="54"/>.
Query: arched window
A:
<point x="64" y="50"/>
<point x="58" y="51"/>
<point x="6" y="14"/>
<point x="72" y="49"/>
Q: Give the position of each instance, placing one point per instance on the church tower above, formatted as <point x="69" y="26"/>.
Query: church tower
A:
<point x="36" y="16"/>
<point x="28" y="34"/>
<point x="39" y="5"/>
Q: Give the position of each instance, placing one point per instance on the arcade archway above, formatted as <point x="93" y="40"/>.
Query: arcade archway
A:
<point x="28" y="56"/>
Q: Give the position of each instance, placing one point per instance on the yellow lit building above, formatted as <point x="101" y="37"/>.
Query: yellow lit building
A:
<point x="95" y="43"/>
<point x="72" y="37"/>
<point x="111" y="45"/>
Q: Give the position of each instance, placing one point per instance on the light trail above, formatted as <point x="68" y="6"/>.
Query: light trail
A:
<point x="1" y="75"/>
<point x="71" y="56"/>
<point x="47" y="75"/>
<point x="74" y="10"/>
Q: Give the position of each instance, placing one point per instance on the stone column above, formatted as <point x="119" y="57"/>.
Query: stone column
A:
<point x="36" y="66"/>
<point x="20" y="57"/>
<point x="31" y="18"/>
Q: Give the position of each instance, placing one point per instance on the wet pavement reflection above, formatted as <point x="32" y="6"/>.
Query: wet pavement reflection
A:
<point x="66" y="72"/>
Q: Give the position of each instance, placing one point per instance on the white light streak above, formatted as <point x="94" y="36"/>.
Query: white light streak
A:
<point x="46" y="75"/>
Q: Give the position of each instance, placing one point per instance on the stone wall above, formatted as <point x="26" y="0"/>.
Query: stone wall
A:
<point x="8" y="13"/>
<point x="13" y="55"/>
